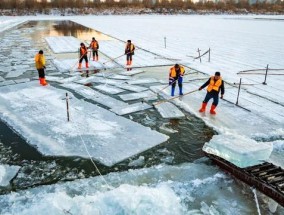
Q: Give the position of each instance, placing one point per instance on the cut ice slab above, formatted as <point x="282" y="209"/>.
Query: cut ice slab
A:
<point x="169" y="110"/>
<point x="109" y="89"/>
<point x="239" y="150"/>
<point x="120" y="77"/>
<point x="143" y="81"/>
<point x="95" y="96"/>
<point x="39" y="115"/>
<point x="133" y="96"/>
<point x="7" y="173"/>
<point x="8" y="82"/>
<point x="63" y="44"/>
<point x="133" y="88"/>
<point x="132" y="72"/>
<point x="131" y="108"/>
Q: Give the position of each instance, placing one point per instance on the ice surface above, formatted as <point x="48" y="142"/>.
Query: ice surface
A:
<point x="132" y="72"/>
<point x="169" y="110"/>
<point x="1" y="79"/>
<point x="8" y="82"/>
<point x="167" y="190"/>
<point x="120" y="77"/>
<point x="239" y="150"/>
<point x="133" y="88"/>
<point x="22" y="80"/>
<point x="133" y="96"/>
<point x="109" y="89"/>
<point x="63" y="44"/>
<point x="7" y="173"/>
<point x="40" y="118"/>
<point x="96" y="96"/>
<point x="131" y="108"/>
<point x="143" y="81"/>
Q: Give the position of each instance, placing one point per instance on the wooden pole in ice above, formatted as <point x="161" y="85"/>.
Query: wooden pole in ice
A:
<point x="67" y="106"/>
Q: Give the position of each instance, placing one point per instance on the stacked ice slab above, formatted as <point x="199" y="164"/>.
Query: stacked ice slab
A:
<point x="239" y="150"/>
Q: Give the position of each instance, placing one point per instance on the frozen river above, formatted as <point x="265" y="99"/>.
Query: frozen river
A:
<point x="172" y="177"/>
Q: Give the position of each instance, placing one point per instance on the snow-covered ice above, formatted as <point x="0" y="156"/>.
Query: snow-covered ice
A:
<point x="63" y="44"/>
<point x="169" y="110"/>
<point x="133" y="96"/>
<point x="143" y="81"/>
<point x="7" y="173"/>
<point x="40" y="118"/>
<point x="95" y="95"/>
<point x="131" y="108"/>
<point x="109" y="89"/>
<point x="239" y="150"/>
<point x="133" y="88"/>
<point x="167" y="190"/>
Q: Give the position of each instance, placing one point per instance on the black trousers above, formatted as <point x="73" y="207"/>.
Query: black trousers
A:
<point x="129" y="57"/>
<point x="85" y="57"/>
<point x="213" y="94"/>
<point x="95" y="53"/>
<point x="41" y="73"/>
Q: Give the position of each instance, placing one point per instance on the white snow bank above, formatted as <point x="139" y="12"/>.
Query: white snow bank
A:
<point x="40" y="117"/>
<point x="7" y="173"/>
<point x="239" y="150"/>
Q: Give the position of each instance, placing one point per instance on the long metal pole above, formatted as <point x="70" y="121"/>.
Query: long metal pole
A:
<point x="165" y="41"/>
<point x="209" y="55"/>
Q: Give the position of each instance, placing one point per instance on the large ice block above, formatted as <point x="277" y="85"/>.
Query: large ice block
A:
<point x="169" y="110"/>
<point x="63" y="44"/>
<point x="143" y="81"/>
<point x="131" y="108"/>
<point x="109" y="89"/>
<point x="133" y="88"/>
<point x="7" y="173"/>
<point x="40" y="117"/>
<point x="239" y="150"/>
<point x="133" y="96"/>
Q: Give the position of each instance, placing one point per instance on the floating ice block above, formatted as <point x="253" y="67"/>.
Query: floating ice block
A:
<point x="131" y="108"/>
<point x="169" y="110"/>
<point x="239" y="150"/>
<point x="133" y="88"/>
<point x="109" y="89"/>
<point x="133" y="96"/>
<point x="63" y="44"/>
<point x="7" y="173"/>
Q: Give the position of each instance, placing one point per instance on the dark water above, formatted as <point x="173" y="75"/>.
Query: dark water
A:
<point x="36" y="169"/>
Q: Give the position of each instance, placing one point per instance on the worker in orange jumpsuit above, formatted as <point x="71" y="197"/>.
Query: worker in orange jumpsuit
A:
<point x="129" y="51"/>
<point x="40" y="66"/>
<point x="83" y="56"/>
<point x="176" y="75"/>
<point x="215" y="85"/>
<point x="94" y="45"/>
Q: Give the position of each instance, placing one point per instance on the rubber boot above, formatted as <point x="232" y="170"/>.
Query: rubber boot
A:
<point x="203" y="107"/>
<point x="80" y="66"/>
<point x="130" y="62"/>
<point x="40" y="81"/>
<point x="212" y="110"/>
<point x="180" y="91"/>
<point x="173" y="91"/>
<point x="87" y="65"/>
<point x="127" y="62"/>
<point x="44" y="83"/>
<point x="97" y="58"/>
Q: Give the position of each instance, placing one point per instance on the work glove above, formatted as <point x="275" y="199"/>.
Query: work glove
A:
<point x="171" y="81"/>
<point x="200" y="88"/>
<point x="44" y="67"/>
<point x="222" y="96"/>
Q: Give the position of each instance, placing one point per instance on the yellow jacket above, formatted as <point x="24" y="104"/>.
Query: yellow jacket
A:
<point x="39" y="61"/>
<point x="214" y="85"/>
<point x="173" y="73"/>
